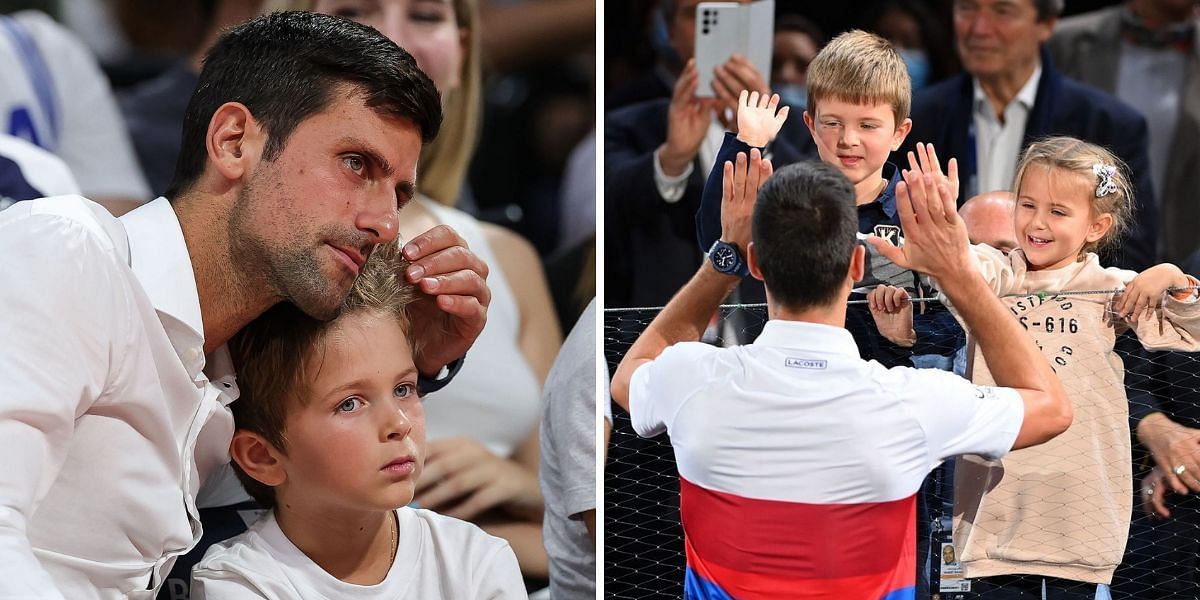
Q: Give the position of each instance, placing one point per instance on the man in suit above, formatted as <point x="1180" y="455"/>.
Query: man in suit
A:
<point x="1145" y="52"/>
<point x="1011" y="94"/>
<point x="657" y="154"/>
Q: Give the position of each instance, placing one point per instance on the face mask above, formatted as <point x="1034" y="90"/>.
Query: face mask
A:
<point x="793" y="95"/>
<point x="918" y="67"/>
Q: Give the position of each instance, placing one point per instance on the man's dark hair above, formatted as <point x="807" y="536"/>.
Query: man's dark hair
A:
<point x="804" y="228"/>
<point x="288" y="66"/>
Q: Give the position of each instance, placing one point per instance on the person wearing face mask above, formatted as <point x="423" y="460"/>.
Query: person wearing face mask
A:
<point x="797" y="41"/>
<point x="483" y="445"/>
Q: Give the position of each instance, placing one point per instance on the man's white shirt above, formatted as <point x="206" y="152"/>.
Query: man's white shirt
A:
<point x="108" y="421"/>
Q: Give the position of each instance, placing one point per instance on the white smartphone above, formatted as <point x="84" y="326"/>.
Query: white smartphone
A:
<point x="727" y="28"/>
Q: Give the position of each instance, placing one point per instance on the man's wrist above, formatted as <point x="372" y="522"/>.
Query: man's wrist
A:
<point x="673" y="163"/>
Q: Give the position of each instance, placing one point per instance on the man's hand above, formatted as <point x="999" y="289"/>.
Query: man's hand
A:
<point x="926" y="162"/>
<point x="452" y="310"/>
<point x="1144" y="295"/>
<point x="757" y="121"/>
<point x="935" y="238"/>
<point x="1154" y="494"/>
<point x="687" y="123"/>
<point x="739" y="190"/>
<point x="1173" y="446"/>
<point x="892" y="310"/>
<point x="729" y="79"/>
<point x="463" y="479"/>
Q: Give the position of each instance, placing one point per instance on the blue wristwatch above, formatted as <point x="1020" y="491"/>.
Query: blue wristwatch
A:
<point x="726" y="259"/>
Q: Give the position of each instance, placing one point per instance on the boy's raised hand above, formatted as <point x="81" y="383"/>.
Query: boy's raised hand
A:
<point x="925" y="161"/>
<point x="739" y="189"/>
<point x="759" y="117"/>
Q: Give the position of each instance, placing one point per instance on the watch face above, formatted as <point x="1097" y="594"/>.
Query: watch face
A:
<point x="724" y="258"/>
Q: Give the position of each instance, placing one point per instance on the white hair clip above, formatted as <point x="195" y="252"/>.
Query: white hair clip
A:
<point x="1105" y="184"/>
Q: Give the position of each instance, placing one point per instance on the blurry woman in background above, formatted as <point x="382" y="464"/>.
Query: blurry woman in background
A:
<point x="483" y="451"/>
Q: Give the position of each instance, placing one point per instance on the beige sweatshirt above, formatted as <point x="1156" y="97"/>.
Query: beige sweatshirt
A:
<point x="1062" y="509"/>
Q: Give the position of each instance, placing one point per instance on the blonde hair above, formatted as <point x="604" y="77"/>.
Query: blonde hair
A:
<point x="277" y="353"/>
<point x="860" y="68"/>
<point x="1063" y="153"/>
<point x="443" y="165"/>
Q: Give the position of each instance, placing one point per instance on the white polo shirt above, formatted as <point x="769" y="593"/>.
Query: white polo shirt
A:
<point x="796" y="429"/>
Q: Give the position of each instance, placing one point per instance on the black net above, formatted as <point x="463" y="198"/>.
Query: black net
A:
<point x="644" y="556"/>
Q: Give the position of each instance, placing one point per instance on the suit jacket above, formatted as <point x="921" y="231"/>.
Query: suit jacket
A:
<point x="650" y="244"/>
<point x="1088" y="48"/>
<point x="942" y="115"/>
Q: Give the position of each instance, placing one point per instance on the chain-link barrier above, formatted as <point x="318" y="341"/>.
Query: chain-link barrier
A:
<point x="644" y="553"/>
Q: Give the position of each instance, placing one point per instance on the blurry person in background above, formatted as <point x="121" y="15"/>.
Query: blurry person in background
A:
<point x="797" y="41"/>
<point x="53" y="94"/>
<point x="482" y="462"/>
<point x="922" y="41"/>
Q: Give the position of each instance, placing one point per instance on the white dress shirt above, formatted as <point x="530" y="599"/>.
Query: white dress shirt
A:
<point x="108" y="423"/>
<point x="998" y="144"/>
<point x="671" y="188"/>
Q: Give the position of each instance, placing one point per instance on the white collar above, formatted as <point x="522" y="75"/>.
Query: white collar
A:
<point x="160" y="260"/>
<point x="1026" y="96"/>
<point x="780" y="333"/>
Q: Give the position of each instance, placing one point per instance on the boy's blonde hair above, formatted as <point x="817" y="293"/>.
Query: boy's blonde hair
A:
<point x="443" y="162"/>
<point x="278" y="355"/>
<point x="1063" y="153"/>
<point x="860" y="68"/>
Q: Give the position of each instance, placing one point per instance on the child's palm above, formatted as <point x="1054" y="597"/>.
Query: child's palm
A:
<point x="757" y="119"/>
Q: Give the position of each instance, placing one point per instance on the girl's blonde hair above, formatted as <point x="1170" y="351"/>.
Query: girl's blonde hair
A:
<point x="444" y="162"/>
<point x="1110" y="192"/>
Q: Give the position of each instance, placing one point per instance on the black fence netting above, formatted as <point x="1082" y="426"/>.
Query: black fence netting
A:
<point x="644" y="551"/>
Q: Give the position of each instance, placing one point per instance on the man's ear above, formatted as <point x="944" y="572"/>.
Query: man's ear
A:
<point x="235" y="140"/>
<point x="752" y="261"/>
<point x="858" y="264"/>
<point x="257" y="457"/>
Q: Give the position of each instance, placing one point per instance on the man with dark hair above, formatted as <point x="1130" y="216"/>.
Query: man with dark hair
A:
<point x="300" y="144"/>
<point x="796" y="428"/>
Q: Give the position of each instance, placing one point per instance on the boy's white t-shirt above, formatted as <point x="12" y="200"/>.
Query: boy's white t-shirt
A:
<point x="436" y="557"/>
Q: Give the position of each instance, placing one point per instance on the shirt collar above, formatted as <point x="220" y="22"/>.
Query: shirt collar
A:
<point x="1026" y="96"/>
<point x="888" y="198"/>
<point x="804" y="335"/>
<point x="160" y="261"/>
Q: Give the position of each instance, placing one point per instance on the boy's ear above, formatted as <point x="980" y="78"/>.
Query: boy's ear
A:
<point x="257" y="457"/>
<point x="901" y="133"/>
<point x="235" y="141"/>
<point x="1099" y="227"/>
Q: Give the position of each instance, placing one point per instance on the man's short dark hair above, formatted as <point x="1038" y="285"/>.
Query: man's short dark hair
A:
<point x="804" y="228"/>
<point x="1048" y="9"/>
<point x="288" y="66"/>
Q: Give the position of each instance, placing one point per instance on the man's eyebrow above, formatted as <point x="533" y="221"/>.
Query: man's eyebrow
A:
<point x="370" y="154"/>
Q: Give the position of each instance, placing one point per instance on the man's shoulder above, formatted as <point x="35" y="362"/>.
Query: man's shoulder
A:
<point x="641" y="114"/>
<point x="64" y="219"/>
<point x="1087" y="25"/>
<point x="1079" y="99"/>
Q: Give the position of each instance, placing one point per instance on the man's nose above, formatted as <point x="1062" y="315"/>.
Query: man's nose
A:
<point x="379" y="217"/>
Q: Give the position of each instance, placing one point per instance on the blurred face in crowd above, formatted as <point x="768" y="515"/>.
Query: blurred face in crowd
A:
<point x="998" y="38"/>
<point x="789" y="63"/>
<point x="682" y="25"/>
<point x="989" y="220"/>
<point x="427" y="29"/>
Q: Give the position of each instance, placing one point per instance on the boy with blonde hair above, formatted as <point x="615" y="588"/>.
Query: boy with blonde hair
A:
<point x="331" y="437"/>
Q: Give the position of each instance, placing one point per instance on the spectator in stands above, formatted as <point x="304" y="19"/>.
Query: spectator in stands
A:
<point x="921" y="40"/>
<point x="483" y="438"/>
<point x="1011" y="94"/>
<point x="805" y="430"/>
<point x="797" y="41"/>
<point x="989" y="219"/>
<point x="331" y="438"/>
<point x="28" y="172"/>
<point x="53" y="94"/>
<point x="656" y="155"/>
<point x="154" y="109"/>
<point x="1145" y="52"/>
<point x="568" y="466"/>
<point x="114" y="374"/>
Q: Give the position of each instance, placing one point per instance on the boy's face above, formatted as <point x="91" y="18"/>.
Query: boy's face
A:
<point x="359" y="443"/>
<point x="855" y="138"/>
